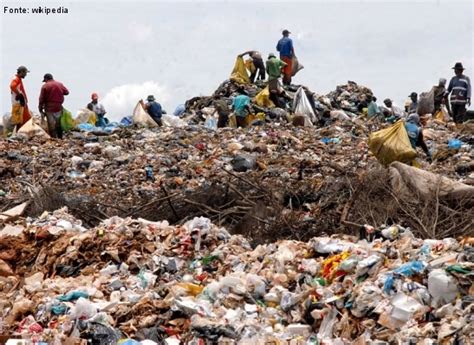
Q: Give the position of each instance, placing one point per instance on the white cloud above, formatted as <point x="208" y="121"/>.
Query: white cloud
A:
<point x="120" y="100"/>
<point x="140" y="31"/>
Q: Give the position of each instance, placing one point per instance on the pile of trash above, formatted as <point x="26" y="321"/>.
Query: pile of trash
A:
<point x="343" y="104"/>
<point x="303" y="181"/>
<point x="126" y="279"/>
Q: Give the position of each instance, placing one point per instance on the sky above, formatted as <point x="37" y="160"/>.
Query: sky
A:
<point x="126" y="50"/>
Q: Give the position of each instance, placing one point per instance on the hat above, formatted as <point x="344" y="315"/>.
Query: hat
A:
<point x="271" y="55"/>
<point x="22" y="69"/>
<point x="285" y="32"/>
<point x="150" y="98"/>
<point x="413" y="94"/>
<point x="458" y="65"/>
<point x="94" y="96"/>
<point x="47" y="76"/>
<point x="414" y="118"/>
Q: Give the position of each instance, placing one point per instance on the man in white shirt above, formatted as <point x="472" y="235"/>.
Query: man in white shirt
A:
<point x="98" y="109"/>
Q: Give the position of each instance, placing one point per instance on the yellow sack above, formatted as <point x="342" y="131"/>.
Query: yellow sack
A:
<point x="249" y="65"/>
<point x="392" y="144"/>
<point x="239" y="73"/>
<point x="441" y="116"/>
<point x="232" y="121"/>
<point x="252" y="117"/>
<point x="263" y="98"/>
<point x="17" y="114"/>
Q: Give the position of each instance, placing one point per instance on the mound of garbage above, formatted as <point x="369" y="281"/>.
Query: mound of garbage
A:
<point x="196" y="283"/>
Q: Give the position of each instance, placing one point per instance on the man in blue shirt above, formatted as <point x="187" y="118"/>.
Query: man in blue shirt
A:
<point x="285" y="47"/>
<point x="154" y="109"/>
<point x="415" y="133"/>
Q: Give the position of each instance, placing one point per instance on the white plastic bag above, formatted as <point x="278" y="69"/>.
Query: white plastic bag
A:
<point x="141" y="117"/>
<point x="301" y="106"/>
<point x="442" y="287"/>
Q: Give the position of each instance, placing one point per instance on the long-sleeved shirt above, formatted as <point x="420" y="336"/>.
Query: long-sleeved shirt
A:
<point x="285" y="47"/>
<point x="274" y="67"/>
<point x="154" y="109"/>
<point x="52" y="96"/>
<point x="460" y="89"/>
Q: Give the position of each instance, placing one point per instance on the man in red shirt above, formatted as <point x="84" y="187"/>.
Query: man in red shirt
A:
<point x="20" y="111"/>
<point x="51" y="104"/>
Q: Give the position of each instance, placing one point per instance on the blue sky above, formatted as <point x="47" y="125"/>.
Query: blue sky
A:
<point x="126" y="50"/>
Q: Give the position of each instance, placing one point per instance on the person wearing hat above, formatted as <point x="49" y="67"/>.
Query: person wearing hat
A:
<point x="50" y="105"/>
<point x="258" y="64"/>
<point x="285" y="47"/>
<point x="154" y="109"/>
<point x="20" y="111"/>
<point x="415" y="133"/>
<point x="460" y="90"/>
<point x="274" y="70"/>
<point x="414" y="102"/>
<point x="98" y="109"/>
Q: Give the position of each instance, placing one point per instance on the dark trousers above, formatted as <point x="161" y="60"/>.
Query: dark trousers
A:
<point x="240" y="121"/>
<point x="54" y="124"/>
<point x="223" y="120"/>
<point x="459" y="112"/>
<point x="276" y="100"/>
<point x="259" y="69"/>
<point x="158" y="121"/>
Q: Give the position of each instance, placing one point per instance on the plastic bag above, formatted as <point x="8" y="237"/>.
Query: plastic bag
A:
<point x="426" y="103"/>
<point x="141" y="117"/>
<point x="295" y="66"/>
<point x="85" y="116"/>
<point x="442" y="287"/>
<point x="32" y="128"/>
<point x="392" y="144"/>
<point x="249" y="65"/>
<point x="442" y="115"/>
<point x="239" y="73"/>
<point x="263" y="98"/>
<point x="301" y="105"/>
<point x="211" y="123"/>
<point x="66" y="121"/>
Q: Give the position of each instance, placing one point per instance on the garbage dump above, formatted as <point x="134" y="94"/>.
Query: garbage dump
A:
<point x="196" y="283"/>
<point x="290" y="231"/>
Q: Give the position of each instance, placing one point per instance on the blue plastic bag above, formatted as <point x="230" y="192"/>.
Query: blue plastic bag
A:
<point x="454" y="144"/>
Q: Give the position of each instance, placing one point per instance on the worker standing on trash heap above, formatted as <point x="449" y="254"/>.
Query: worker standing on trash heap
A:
<point x="460" y="90"/>
<point x="257" y="63"/>
<point x="223" y="111"/>
<point x="98" y="109"/>
<point x="285" y="47"/>
<point x="439" y="95"/>
<point x="415" y="133"/>
<point x="20" y="111"/>
<point x="414" y="102"/>
<point x="51" y="104"/>
<point x="241" y="107"/>
<point x="274" y="70"/>
<point x="154" y="109"/>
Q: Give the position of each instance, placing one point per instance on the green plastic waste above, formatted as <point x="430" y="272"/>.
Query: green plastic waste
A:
<point x="458" y="269"/>
<point x="66" y="120"/>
